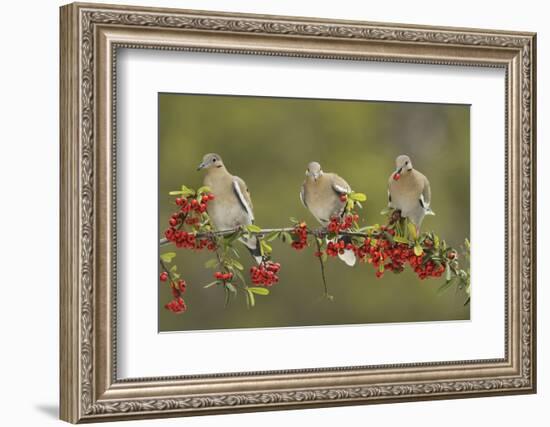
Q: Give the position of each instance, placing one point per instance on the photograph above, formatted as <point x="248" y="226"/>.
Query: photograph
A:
<point x="290" y="212"/>
<point x="288" y="208"/>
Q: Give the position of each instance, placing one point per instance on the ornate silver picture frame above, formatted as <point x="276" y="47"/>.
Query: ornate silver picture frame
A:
<point x="90" y="36"/>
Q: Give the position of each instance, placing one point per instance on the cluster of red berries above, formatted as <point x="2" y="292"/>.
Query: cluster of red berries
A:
<point x="335" y="248"/>
<point x="190" y="210"/>
<point x="339" y="224"/>
<point x="265" y="273"/>
<point x="189" y="207"/>
<point x="300" y="233"/>
<point x="223" y="276"/>
<point x="427" y="269"/>
<point x="183" y="239"/>
<point x="177" y="305"/>
<point x="394" y="257"/>
<point x="192" y="204"/>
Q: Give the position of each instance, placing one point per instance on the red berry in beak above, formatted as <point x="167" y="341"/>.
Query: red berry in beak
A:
<point x="396" y="176"/>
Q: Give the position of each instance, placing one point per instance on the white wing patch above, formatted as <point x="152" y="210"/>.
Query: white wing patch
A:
<point x="242" y="199"/>
<point x="423" y="202"/>
<point x="302" y="197"/>
<point x="340" y="189"/>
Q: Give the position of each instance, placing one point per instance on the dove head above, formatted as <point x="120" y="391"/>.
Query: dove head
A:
<point x="314" y="170"/>
<point x="403" y="164"/>
<point x="210" y="160"/>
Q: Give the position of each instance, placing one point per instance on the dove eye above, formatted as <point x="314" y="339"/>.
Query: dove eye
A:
<point x="214" y="160"/>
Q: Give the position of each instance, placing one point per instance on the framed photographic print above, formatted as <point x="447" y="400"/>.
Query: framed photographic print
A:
<point x="263" y="212"/>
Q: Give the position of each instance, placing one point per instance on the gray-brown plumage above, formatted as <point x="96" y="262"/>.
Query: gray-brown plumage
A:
<point x="232" y="205"/>
<point x="409" y="191"/>
<point x="321" y="194"/>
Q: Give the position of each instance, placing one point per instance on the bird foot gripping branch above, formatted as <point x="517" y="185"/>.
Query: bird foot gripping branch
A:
<point x="389" y="247"/>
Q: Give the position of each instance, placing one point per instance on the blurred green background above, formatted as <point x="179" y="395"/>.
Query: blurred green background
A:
<point x="268" y="142"/>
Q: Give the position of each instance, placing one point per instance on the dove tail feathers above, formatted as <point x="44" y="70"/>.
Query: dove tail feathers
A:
<point x="348" y="256"/>
<point x="253" y="247"/>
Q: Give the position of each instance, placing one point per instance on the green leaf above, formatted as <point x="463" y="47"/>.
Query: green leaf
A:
<point x="258" y="290"/>
<point x="240" y="276"/>
<point x="251" y="299"/>
<point x="400" y="239"/>
<point x="173" y="269"/>
<point x="418" y="250"/>
<point x="234" y="252"/>
<point x="211" y="263"/>
<point x="272" y="236"/>
<point x="350" y="205"/>
<point x="226" y="302"/>
<point x="230" y="238"/>
<point x="183" y="192"/>
<point x="168" y="256"/>
<point x="186" y="190"/>
<point x="381" y="267"/>
<point x="204" y="189"/>
<point x="358" y="197"/>
<point x="265" y="248"/>
<point x="412" y="230"/>
<point x="252" y="228"/>
<point x="324" y="257"/>
<point x="215" y="282"/>
<point x="448" y="272"/>
<point x="436" y="241"/>
<point x="286" y="237"/>
<point x="446" y="286"/>
<point x="236" y="264"/>
<point x="231" y="287"/>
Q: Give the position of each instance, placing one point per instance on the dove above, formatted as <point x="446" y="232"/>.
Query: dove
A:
<point x="322" y="193"/>
<point x="409" y="192"/>
<point x="232" y="206"/>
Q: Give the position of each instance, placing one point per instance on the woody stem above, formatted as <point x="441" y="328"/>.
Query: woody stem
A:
<point x="322" y="267"/>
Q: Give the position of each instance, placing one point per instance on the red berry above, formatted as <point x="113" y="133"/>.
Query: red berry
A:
<point x="173" y="222"/>
<point x="396" y="176"/>
<point x="343" y="198"/>
<point x="163" y="276"/>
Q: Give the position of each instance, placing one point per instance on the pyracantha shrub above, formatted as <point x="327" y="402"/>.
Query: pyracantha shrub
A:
<point x="393" y="247"/>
